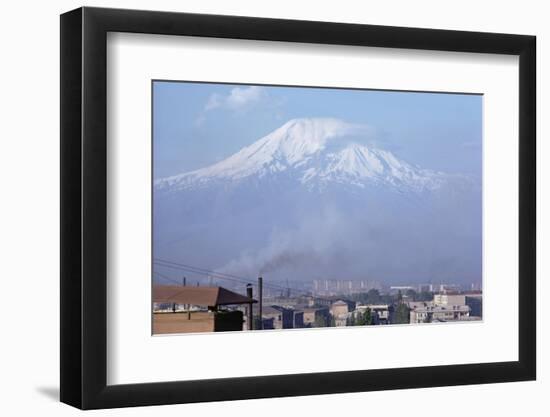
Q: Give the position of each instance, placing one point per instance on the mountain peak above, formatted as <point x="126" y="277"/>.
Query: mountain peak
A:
<point x="299" y="138"/>
<point x="308" y="149"/>
<point x="315" y="130"/>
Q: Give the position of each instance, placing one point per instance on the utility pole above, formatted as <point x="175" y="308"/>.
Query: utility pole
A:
<point x="250" y="318"/>
<point x="186" y="306"/>
<point x="260" y="300"/>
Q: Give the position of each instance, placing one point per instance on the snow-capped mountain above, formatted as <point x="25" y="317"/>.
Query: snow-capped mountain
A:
<point x="311" y="199"/>
<point x="315" y="152"/>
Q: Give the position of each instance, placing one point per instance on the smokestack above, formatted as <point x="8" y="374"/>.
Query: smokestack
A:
<point x="250" y="312"/>
<point x="260" y="300"/>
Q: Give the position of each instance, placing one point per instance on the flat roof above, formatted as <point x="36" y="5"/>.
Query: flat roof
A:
<point x="440" y="309"/>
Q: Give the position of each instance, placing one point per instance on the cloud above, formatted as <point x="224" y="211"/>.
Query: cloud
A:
<point x="214" y="101"/>
<point x="200" y="120"/>
<point x="239" y="98"/>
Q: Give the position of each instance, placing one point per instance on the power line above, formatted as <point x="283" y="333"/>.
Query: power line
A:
<point x="181" y="268"/>
<point x="166" y="277"/>
<point x="220" y="275"/>
<point x="215" y="275"/>
<point x="204" y="270"/>
<point x="208" y="272"/>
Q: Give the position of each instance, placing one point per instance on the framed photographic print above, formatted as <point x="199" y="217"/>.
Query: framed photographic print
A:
<point x="258" y="207"/>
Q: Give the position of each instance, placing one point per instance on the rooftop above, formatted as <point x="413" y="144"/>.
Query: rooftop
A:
<point x="201" y="296"/>
<point x="438" y="309"/>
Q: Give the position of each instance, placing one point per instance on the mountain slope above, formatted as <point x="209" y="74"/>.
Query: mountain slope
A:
<point x="311" y="200"/>
<point x="315" y="152"/>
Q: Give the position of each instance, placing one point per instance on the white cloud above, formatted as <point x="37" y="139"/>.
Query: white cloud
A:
<point x="213" y="102"/>
<point x="200" y="120"/>
<point x="239" y="98"/>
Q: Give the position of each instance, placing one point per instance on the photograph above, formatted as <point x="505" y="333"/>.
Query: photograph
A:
<point x="297" y="207"/>
<point x="237" y="184"/>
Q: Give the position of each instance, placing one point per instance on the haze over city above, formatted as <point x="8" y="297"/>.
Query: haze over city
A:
<point x="308" y="184"/>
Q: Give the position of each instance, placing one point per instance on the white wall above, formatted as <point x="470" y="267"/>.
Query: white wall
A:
<point x="29" y="175"/>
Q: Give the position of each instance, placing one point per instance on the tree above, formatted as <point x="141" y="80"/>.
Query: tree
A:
<point x="402" y="314"/>
<point x="373" y="296"/>
<point x="321" y="321"/>
<point x="399" y="297"/>
<point x="364" y="319"/>
<point x="387" y="299"/>
<point x="411" y="294"/>
<point x="425" y="296"/>
<point x="369" y="319"/>
<point x="367" y="316"/>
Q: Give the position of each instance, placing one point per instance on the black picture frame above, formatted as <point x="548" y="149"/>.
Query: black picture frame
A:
<point x="84" y="207"/>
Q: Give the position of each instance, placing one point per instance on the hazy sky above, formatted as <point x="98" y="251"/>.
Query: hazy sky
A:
<point x="197" y="124"/>
<point x="374" y="234"/>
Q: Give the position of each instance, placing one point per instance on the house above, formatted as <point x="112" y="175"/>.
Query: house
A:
<point x="339" y="308"/>
<point x="380" y="313"/>
<point x="340" y="312"/>
<point x="278" y="317"/>
<point x="449" y="299"/>
<point x="196" y="309"/>
<point x="434" y="313"/>
<point x="316" y="317"/>
<point x="298" y="318"/>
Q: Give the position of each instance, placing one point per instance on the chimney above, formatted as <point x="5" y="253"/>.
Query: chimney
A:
<point x="260" y="300"/>
<point x="250" y="318"/>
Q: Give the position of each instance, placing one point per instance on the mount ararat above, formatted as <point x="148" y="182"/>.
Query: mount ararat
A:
<point x="313" y="199"/>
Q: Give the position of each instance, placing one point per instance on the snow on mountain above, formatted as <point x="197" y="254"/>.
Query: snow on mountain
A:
<point x="315" y="152"/>
<point x="312" y="200"/>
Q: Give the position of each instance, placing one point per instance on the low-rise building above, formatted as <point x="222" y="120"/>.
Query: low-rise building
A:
<point x="380" y="313"/>
<point x="316" y="317"/>
<point x="197" y="309"/>
<point x="435" y="313"/>
<point x="394" y="289"/>
<point x="416" y="304"/>
<point x="298" y="319"/>
<point x="475" y="302"/>
<point x="340" y="312"/>
<point x="279" y="317"/>
<point x="383" y="313"/>
<point x="446" y="299"/>
<point x="339" y="307"/>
